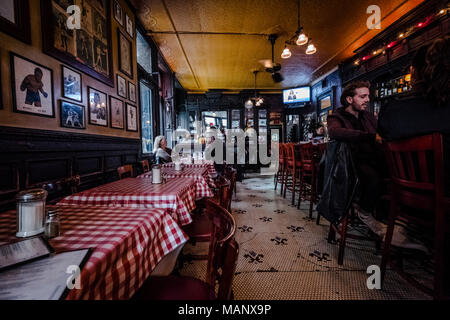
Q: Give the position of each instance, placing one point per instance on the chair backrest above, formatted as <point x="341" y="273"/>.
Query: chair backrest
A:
<point x="223" y="251"/>
<point x="225" y="192"/>
<point x="125" y="172"/>
<point x="282" y="152"/>
<point x="307" y="153"/>
<point x="145" y="166"/>
<point x="230" y="174"/>
<point x="417" y="167"/>
<point x="60" y="189"/>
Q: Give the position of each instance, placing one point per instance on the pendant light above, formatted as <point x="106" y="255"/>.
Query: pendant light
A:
<point x="311" y="48"/>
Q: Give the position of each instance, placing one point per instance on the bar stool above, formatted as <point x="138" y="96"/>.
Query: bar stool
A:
<point x="309" y="171"/>
<point x="293" y="168"/>
<point x="418" y="183"/>
<point x="125" y="172"/>
<point x="279" y="176"/>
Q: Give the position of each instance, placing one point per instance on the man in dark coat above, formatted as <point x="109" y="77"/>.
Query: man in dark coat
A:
<point x="357" y="127"/>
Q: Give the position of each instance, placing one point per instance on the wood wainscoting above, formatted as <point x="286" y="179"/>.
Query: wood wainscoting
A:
<point x="30" y="158"/>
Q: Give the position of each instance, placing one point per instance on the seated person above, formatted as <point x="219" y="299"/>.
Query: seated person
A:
<point x="160" y="151"/>
<point x="426" y="109"/>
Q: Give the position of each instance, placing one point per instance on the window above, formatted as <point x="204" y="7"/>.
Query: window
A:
<point x="147" y="108"/>
<point x="144" y="53"/>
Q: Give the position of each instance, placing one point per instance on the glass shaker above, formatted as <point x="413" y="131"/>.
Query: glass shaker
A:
<point x="52" y="225"/>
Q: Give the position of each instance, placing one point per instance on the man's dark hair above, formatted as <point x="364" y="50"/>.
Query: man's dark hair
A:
<point x="350" y="90"/>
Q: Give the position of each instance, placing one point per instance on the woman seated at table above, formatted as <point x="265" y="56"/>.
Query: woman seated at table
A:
<point x="160" y="150"/>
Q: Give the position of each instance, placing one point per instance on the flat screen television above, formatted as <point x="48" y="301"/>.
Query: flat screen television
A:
<point x="297" y="95"/>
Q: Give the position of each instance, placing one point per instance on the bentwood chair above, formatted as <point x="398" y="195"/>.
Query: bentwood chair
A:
<point x="125" y="172"/>
<point x="61" y="189"/>
<point x="222" y="259"/>
<point x="145" y="166"/>
<point x="417" y="167"/>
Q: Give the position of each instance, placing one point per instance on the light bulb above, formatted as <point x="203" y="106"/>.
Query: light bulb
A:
<point x="286" y="53"/>
<point x="249" y="104"/>
<point x="311" y="49"/>
<point x="302" y="39"/>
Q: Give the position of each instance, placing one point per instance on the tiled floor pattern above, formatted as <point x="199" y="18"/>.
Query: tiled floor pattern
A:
<point x="284" y="255"/>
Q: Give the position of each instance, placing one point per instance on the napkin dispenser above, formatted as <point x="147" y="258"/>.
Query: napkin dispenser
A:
<point x="31" y="212"/>
<point x="156" y="174"/>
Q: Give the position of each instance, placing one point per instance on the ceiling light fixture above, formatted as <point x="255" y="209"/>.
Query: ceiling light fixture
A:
<point x="256" y="101"/>
<point x="299" y="38"/>
<point x="311" y="48"/>
<point x="286" y="53"/>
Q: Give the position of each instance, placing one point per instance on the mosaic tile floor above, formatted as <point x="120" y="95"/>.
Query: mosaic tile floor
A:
<point x="285" y="256"/>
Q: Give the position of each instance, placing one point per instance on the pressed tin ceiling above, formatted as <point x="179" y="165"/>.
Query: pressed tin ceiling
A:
<point x="194" y="37"/>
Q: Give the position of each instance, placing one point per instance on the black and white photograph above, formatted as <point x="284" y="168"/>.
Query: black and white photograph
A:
<point x="132" y="122"/>
<point x="131" y="91"/>
<point x="7" y="10"/>
<point x="118" y="12"/>
<point x="72" y="115"/>
<point x="121" y="87"/>
<point x="117" y="117"/>
<point x="130" y="26"/>
<point x="85" y="47"/>
<point x="72" y="84"/>
<point x="125" y="55"/>
<point x="100" y="56"/>
<point x="98" y="108"/>
<point x="32" y="86"/>
<point x="64" y="39"/>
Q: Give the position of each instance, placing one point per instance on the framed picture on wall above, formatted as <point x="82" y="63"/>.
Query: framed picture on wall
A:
<point x="118" y="12"/>
<point x="132" y="122"/>
<point x="130" y="26"/>
<point x="73" y="116"/>
<point x="32" y="87"/>
<point x="125" y="54"/>
<point x="15" y="19"/>
<point x="98" y="107"/>
<point x="132" y="92"/>
<point x="72" y="86"/>
<point x="117" y="115"/>
<point x="87" y="49"/>
<point x="121" y="87"/>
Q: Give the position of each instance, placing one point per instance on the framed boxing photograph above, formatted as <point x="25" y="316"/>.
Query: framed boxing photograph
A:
<point x="73" y="115"/>
<point x="32" y="87"/>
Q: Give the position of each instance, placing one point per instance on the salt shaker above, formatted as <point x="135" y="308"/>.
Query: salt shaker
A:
<point x="52" y="225"/>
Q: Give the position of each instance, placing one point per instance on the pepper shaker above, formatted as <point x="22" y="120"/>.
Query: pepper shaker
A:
<point x="52" y="225"/>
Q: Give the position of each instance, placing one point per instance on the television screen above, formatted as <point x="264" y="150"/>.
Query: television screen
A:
<point x="297" y="95"/>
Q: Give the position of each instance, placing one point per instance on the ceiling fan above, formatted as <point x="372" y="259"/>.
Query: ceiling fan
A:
<point x="270" y="65"/>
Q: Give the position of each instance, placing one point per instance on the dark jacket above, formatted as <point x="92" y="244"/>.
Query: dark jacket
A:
<point x="340" y="182"/>
<point x="414" y="116"/>
<point x="341" y="126"/>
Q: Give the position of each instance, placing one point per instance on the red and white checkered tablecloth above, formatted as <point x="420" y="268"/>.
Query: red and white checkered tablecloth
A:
<point x="177" y="195"/>
<point x="198" y="164"/>
<point x="127" y="245"/>
<point x="203" y="180"/>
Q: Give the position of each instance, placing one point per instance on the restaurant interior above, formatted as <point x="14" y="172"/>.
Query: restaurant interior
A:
<point x="214" y="150"/>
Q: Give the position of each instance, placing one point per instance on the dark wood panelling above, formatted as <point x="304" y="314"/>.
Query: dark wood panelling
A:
<point x="31" y="157"/>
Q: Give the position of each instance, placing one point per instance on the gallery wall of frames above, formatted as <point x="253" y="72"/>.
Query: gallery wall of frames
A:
<point x="81" y="80"/>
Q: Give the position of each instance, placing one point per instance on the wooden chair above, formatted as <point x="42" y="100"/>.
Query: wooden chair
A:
<point x="60" y="189"/>
<point x="125" y="172"/>
<point x="231" y="173"/>
<point x="222" y="259"/>
<point x="293" y="168"/>
<point x="417" y="168"/>
<point x="145" y="166"/>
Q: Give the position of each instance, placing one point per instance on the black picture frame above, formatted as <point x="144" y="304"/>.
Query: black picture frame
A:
<point x="63" y="91"/>
<point x="20" y="28"/>
<point x="137" y="122"/>
<point x="64" y="123"/>
<point x="122" y="37"/>
<point x="111" y="98"/>
<point x="122" y="79"/>
<point x="13" y="86"/>
<point x="91" y="121"/>
<point x="127" y="21"/>
<point x="130" y="86"/>
<point x="48" y="40"/>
